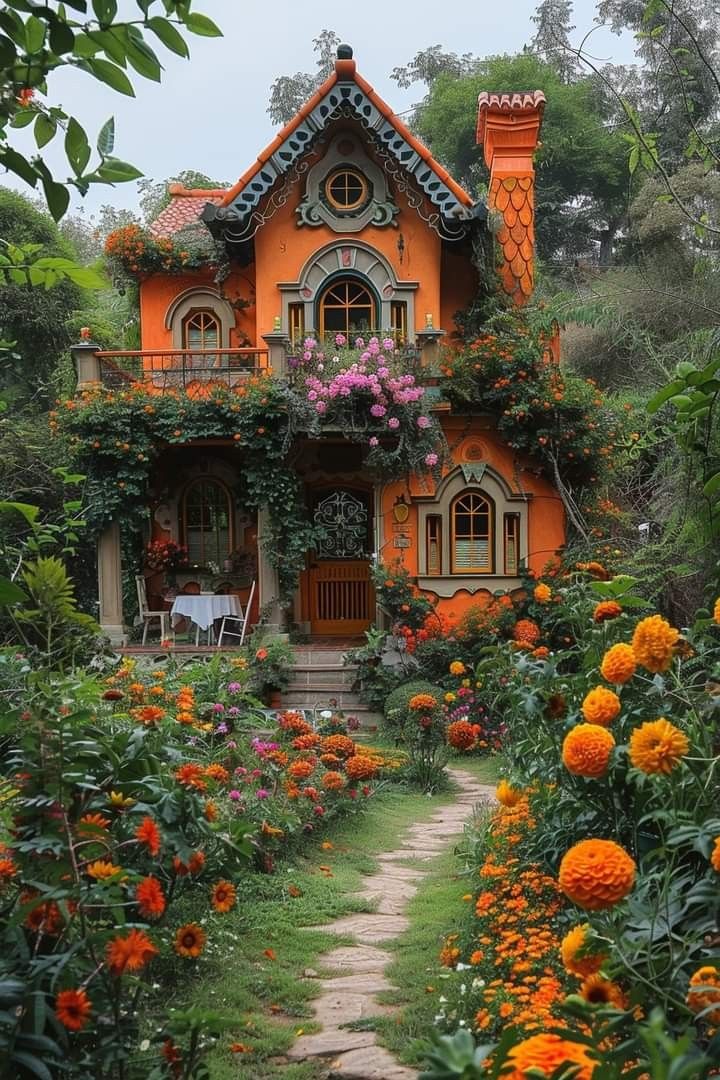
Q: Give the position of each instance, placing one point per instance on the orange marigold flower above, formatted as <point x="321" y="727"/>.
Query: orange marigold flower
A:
<point x="217" y="772"/>
<point x="715" y="856"/>
<point x="342" y="745"/>
<point x="333" y="781"/>
<point x="657" y="746"/>
<point x="460" y="735"/>
<point x="653" y="643"/>
<point x="360" y="767"/>
<point x="295" y="722"/>
<point x="599" y="991"/>
<point x="526" y="632"/>
<point x="618" y="664"/>
<point x="507" y="795"/>
<point x="306" y="742"/>
<point x="73" y="1008"/>
<point x="422" y="702"/>
<point x="300" y="770"/>
<point x="577" y="956"/>
<point x="148" y="833"/>
<point x="150" y="898"/>
<point x="596" y="874"/>
<point x="457" y="668"/>
<point x="149" y="714"/>
<point x="542" y="593"/>
<point x="586" y="750"/>
<point x="547" y="1052"/>
<point x="606" y="609"/>
<point x="190" y="940"/>
<point x="704" y="992"/>
<point x="130" y="952"/>
<point x="222" y="896"/>
<point x="601" y="706"/>
<point x="191" y="775"/>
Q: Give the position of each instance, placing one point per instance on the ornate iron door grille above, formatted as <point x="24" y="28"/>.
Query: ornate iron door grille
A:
<point x="344" y="518"/>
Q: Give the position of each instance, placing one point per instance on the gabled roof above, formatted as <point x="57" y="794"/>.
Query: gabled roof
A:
<point x="185" y="208"/>
<point x="343" y="89"/>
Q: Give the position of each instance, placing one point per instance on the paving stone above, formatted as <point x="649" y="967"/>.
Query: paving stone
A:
<point x="357" y="957"/>
<point x="359" y="983"/>
<point x="335" y="1008"/>
<point x="329" y="1043"/>
<point x="371" y="928"/>
<point x="373" y="1063"/>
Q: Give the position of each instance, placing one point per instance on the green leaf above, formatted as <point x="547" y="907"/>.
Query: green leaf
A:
<point x="32" y="1064"/>
<point x="664" y="395"/>
<point x="18" y="164"/>
<point x="106" y="10"/>
<point x="34" y="34"/>
<point x="712" y="486"/>
<point x="62" y="39"/>
<point x="143" y="59"/>
<point x="112" y="75"/>
<point x="45" y="128"/>
<point x="23" y="117"/>
<point x="106" y="138"/>
<point x="171" y="38"/>
<point x="10" y="593"/>
<point x="57" y="197"/>
<point x="112" y="170"/>
<point x="28" y="511"/>
<point x="77" y="147"/>
<point x="201" y="25"/>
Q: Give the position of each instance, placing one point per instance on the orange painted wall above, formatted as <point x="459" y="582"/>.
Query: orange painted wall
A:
<point x="458" y="286"/>
<point x="159" y="291"/>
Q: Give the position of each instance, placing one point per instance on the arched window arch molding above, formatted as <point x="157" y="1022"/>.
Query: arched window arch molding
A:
<point x="333" y="279"/>
<point x="209" y="469"/>
<point x="500" y="495"/>
<point x="196" y="299"/>
<point x="357" y="259"/>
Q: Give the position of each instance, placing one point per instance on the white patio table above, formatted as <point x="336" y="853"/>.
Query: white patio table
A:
<point x="204" y="609"/>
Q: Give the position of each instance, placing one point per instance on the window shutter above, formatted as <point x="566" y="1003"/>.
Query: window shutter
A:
<point x="472" y="554"/>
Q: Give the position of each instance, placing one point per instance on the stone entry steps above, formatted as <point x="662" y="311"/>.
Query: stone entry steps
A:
<point x="350" y="994"/>
<point x="321" y="680"/>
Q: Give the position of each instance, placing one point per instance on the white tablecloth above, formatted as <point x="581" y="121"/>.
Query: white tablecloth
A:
<point x="204" y="610"/>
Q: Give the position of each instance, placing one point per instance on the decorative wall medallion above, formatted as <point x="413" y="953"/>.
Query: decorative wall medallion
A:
<point x="473" y="451"/>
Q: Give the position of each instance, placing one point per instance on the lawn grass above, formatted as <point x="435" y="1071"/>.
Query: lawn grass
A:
<point x="268" y="996"/>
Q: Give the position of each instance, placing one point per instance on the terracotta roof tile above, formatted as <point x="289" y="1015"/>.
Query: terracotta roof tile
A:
<point x="516" y="102"/>
<point x="185" y="207"/>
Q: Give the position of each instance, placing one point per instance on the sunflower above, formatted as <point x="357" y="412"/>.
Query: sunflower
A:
<point x="190" y="941"/>
<point x="547" y="1052"/>
<point x="577" y="955"/>
<point x="606" y="609"/>
<point x="704" y="992"/>
<point x="73" y="1008"/>
<point x="542" y="593"/>
<point x="600" y="706"/>
<point x="618" y="664"/>
<point x="150" y="898"/>
<point x="586" y="750"/>
<point x="657" y="746"/>
<point x="222" y="896"/>
<point x="596" y="874"/>
<point x="148" y="833"/>
<point x="599" y="991"/>
<point x="131" y="952"/>
<point x="654" y="642"/>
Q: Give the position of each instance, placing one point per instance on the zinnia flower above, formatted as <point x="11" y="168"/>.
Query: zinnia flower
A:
<point x="586" y="750"/>
<point x="618" y="664"/>
<point x="460" y="735"/>
<point x="547" y="1052"/>
<point x="653" y="643"/>
<point x="707" y="994"/>
<point x="190" y="941"/>
<point x="191" y="775"/>
<point x="150" y="898"/>
<point x="596" y="874"/>
<point x="222" y="896"/>
<point x="90" y="822"/>
<point x="542" y="593"/>
<point x="148" y="833"/>
<point x="657" y="746"/>
<point x="601" y="706"/>
<point x="131" y="952"/>
<point x="507" y="795"/>
<point x="73" y="1008"/>
<point x="576" y="955"/>
<point x="599" y="991"/>
<point x="606" y="609"/>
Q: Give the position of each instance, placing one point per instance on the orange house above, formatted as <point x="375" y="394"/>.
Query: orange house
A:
<point x="345" y="224"/>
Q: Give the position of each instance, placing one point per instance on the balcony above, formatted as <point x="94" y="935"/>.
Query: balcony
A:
<point x="173" y="369"/>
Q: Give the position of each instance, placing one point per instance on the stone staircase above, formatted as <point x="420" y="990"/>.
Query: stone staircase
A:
<point x="322" y="679"/>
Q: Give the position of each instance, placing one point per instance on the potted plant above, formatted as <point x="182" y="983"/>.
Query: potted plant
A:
<point x="271" y="670"/>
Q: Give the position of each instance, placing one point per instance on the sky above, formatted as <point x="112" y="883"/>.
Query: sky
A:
<point x="209" y="113"/>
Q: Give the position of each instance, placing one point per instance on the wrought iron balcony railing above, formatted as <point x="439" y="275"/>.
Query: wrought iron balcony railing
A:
<point x="180" y="369"/>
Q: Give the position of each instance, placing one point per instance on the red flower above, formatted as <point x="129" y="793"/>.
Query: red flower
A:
<point x="150" y="898"/>
<point x="148" y="833"/>
<point x="73" y="1008"/>
<point x="131" y="952"/>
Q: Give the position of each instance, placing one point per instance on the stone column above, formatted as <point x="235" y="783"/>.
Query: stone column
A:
<point x="277" y="342"/>
<point x="428" y="342"/>
<point x="110" y="584"/>
<point x="87" y="365"/>
<point x="271" y="615"/>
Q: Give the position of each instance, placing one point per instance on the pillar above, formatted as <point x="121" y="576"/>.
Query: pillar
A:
<point x="277" y="342"/>
<point x="271" y="615"/>
<point x="110" y="584"/>
<point x="87" y="364"/>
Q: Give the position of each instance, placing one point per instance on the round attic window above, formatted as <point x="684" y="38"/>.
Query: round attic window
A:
<point x="346" y="189"/>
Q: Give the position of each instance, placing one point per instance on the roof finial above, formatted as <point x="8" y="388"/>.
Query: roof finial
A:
<point x="344" y="52"/>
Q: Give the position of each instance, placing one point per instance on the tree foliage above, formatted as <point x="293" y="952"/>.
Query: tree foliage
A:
<point x="289" y="93"/>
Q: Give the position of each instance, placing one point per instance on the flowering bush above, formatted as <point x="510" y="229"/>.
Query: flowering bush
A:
<point x="133" y="251"/>
<point x="165" y="555"/>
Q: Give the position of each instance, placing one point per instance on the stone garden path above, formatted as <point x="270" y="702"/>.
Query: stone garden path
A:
<point x="348" y="997"/>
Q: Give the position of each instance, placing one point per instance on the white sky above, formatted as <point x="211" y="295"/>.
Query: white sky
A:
<point x="209" y="113"/>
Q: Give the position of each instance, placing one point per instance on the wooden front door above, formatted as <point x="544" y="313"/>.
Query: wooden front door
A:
<point x="340" y="593"/>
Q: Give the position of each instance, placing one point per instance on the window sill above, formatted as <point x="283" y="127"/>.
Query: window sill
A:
<point x="446" y="585"/>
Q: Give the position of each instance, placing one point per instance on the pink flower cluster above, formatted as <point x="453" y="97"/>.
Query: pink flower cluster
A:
<point x="369" y="374"/>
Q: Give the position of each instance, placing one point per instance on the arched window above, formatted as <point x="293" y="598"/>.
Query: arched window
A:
<point x="201" y="330"/>
<point x="206" y="522"/>
<point x="472" y="534"/>
<point x="348" y="308"/>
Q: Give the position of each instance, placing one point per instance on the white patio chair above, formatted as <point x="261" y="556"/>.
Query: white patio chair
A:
<point x="238" y="621"/>
<point x="148" y="616"/>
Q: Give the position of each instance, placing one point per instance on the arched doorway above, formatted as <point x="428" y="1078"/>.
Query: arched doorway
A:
<point x="348" y="307"/>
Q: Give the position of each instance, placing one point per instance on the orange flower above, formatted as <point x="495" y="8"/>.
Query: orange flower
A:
<point x="547" y="1052"/>
<point x="576" y="955"/>
<point x="653" y="643"/>
<point x="190" y="941"/>
<point x="73" y="1008"/>
<point x="715" y="856"/>
<point x="211" y="811"/>
<point x="194" y="864"/>
<point x="270" y="953"/>
<point x="586" y="750"/>
<point x="596" y="874"/>
<point x="8" y="869"/>
<point x="102" y="869"/>
<point x="306" y="742"/>
<point x="542" y="593"/>
<point x="222" y="896"/>
<point x="131" y="952"/>
<point x="150" y="898"/>
<point x="526" y="632"/>
<point x="457" y="668"/>
<point x="422" y="702"/>
<point x="618" y="664"/>
<point x="507" y="795"/>
<point x="90" y="822"/>
<point x="148" y="833"/>
<point x="716" y="611"/>
<point x="191" y="775"/>
<point x="333" y="781"/>
<point x="293" y="721"/>
<point x="601" y="706"/>
<point x="217" y="772"/>
<point x="460" y="735"/>
<point x="707" y="994"/>
<point x="599" y="991"/>
<point x="300" y="770"/>
<point x="360" y="767"/>
<point x="657" y="746"/>
<point x="342" y="745"/>
<point x="149" y="714"/>
<point x="606" y="609"/>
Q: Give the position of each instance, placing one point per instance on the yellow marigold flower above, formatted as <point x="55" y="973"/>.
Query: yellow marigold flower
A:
<point x="547" y="1052"/>
<point x="715" y="856"/>
<point x="576" y="955"/>
<point x="542" y="593"/>
<point x="457" y="668"/>
<point x="601" y="706"/>
<point x="657" y="746"/>
<point x="599" y="991"/>
<point x="507" y="795"/>
<point x="653" y="643"/>
<point x="707" y="980"/>
<point x="716" y="611"/>
<point x="586" y="750"/>
<point x="618" y="664"/>
<point x="596" y="874"/>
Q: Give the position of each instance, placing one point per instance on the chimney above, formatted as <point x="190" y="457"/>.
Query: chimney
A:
<point x="508" y="128"/>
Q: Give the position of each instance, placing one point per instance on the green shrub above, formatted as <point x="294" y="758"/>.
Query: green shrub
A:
<point x="400" y="697"/>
